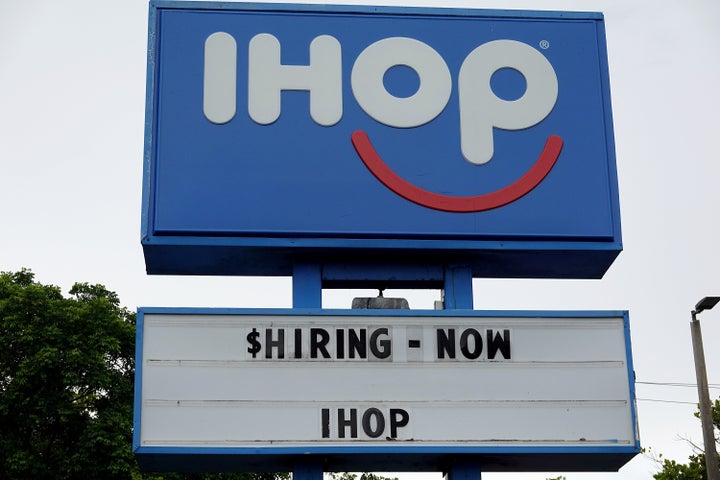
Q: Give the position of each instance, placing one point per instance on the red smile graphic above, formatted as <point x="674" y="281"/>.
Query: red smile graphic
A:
<point x="448" y="203"/>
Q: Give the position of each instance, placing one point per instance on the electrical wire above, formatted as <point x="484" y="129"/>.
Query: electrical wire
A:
<point x="712" y="386"/>
<point x="678" y="384"/>
<point x="664" y="401"/>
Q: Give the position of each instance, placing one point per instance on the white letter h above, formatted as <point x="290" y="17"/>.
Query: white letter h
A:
<point x="267" y="77"/>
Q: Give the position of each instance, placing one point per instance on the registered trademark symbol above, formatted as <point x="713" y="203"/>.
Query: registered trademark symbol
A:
<point x="544" y="44"/>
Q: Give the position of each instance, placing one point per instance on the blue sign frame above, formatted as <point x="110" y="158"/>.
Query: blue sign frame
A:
<point x="391" y="456"/>
<point x="244" y="198"/>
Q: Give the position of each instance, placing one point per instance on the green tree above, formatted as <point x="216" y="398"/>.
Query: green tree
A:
<point x="66" y="385"/>
<point x="695" y="468"/>
<point x="66" y="370"/>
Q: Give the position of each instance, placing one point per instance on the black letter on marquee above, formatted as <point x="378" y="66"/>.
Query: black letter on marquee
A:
<point x="339" y="343"/>
<point x="279" y="343"/>
<point x="319" y="338"/>
<point x="383" y="352"/>
<point x="325" y="422"/>
<point x="498" y="343"/>
<point x="357" y="344"/>
<point x="398" y="418"/>
<point x="298" y="343"/>
<point x="465" y="349"/>
<point x="445" y="343"/>
<point x="351" y="422"/>
<point x="379" y="423"/>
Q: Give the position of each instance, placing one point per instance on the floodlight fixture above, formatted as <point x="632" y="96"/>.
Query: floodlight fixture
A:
<point x="706" y="304"/>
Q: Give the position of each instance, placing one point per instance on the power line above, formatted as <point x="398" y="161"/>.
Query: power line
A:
<point x="673" y="384"/>
<point x="665" y="401"/>
<point x="679" y="384"/>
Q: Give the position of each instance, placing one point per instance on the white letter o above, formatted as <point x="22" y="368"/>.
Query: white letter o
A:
<point x="420" y="108"/>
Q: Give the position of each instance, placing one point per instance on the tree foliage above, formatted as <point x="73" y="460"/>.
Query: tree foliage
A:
<point x="354" y="476"/>
<point x="695" y="468"/>
<point x="66" y="385"/>
<point x="66" y="370"/>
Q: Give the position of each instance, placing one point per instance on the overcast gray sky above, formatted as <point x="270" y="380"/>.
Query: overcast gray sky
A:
<point x="72" y="94"/>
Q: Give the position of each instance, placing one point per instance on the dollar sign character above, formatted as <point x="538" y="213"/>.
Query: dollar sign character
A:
<point x="252" y="338"/>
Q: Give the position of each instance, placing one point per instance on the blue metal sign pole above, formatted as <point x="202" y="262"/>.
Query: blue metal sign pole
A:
<point x="464" y="471"/>
<point x="307" y="285"/>
<point x="308" y="280"/>
<point x="306" y="469"/>
<point x="458" y="287"/>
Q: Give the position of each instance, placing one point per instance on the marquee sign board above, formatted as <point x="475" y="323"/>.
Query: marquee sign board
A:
<point x="423" y="135"/>
<point x="383" y="390"/>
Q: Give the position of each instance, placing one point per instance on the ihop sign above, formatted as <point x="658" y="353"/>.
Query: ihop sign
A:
<point x="277" y="132"/>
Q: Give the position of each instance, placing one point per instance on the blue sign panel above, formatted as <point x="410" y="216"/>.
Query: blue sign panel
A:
<point x="423" y="134"/>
